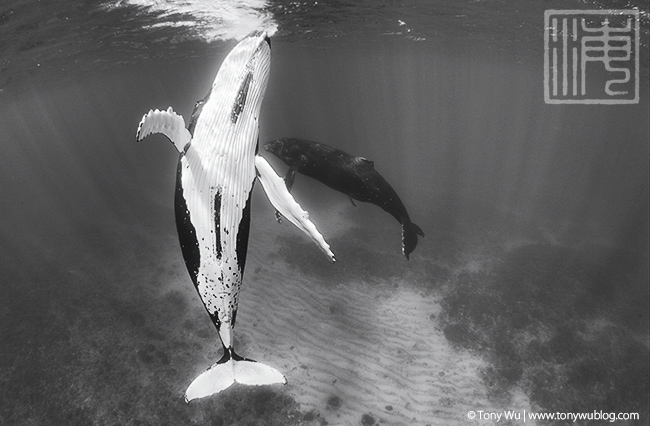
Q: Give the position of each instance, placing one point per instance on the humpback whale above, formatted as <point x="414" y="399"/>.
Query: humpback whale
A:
<point x="354" y="176"/>
<point x="216" y="171"/>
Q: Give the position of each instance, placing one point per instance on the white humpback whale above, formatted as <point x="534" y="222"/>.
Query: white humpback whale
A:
<point x="217" y="166"/>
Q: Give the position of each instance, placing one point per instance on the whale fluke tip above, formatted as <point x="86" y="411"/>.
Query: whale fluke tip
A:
<point x="410" y="232"/>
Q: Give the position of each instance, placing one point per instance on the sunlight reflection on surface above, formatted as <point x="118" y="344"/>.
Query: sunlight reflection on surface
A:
<point x="213" y="20"/>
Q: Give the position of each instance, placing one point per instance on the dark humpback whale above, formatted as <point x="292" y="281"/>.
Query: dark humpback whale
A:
<point x="215" y="175"/>
<point x="354" y="176"/>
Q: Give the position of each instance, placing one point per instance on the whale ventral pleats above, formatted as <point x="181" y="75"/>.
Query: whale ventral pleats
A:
<point x="240" y="100"/>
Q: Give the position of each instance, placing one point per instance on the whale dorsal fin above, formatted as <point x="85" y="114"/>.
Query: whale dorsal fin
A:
<point x="169" y="124"/>
<point x="365" y="160"/>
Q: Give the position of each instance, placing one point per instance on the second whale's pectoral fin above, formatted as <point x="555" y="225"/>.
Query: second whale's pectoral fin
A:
<point x="282" y="200"/>
<point x="169" y="124"/>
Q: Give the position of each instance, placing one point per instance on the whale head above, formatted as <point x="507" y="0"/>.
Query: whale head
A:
<point x="236" y="95"/>
<point x="286" y="149"/>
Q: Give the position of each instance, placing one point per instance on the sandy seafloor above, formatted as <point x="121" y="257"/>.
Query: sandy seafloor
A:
<point x="529" y="291"/>
<point x="370" y="340"/>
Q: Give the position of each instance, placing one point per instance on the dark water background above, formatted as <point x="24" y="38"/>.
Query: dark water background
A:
<point x="449" y="106"/>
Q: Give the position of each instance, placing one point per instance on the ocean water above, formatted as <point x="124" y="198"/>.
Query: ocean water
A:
<point x="528" y="292"/>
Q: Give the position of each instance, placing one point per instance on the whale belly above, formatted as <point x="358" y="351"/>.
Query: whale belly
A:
<point x="217" y="205"/>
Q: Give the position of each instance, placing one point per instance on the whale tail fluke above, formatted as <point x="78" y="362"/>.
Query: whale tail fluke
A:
<point x="410" y="232"/>
<point x="229" y="369"/>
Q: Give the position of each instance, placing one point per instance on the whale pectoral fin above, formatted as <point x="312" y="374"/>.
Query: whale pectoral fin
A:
<point x="352" y="201"/>
<point x="169" y="124"/>
<point x="290" y="178"/>
<point x="282" y="200"/>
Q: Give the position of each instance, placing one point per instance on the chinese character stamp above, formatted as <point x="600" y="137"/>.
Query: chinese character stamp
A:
<point x="591" y="56"/>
